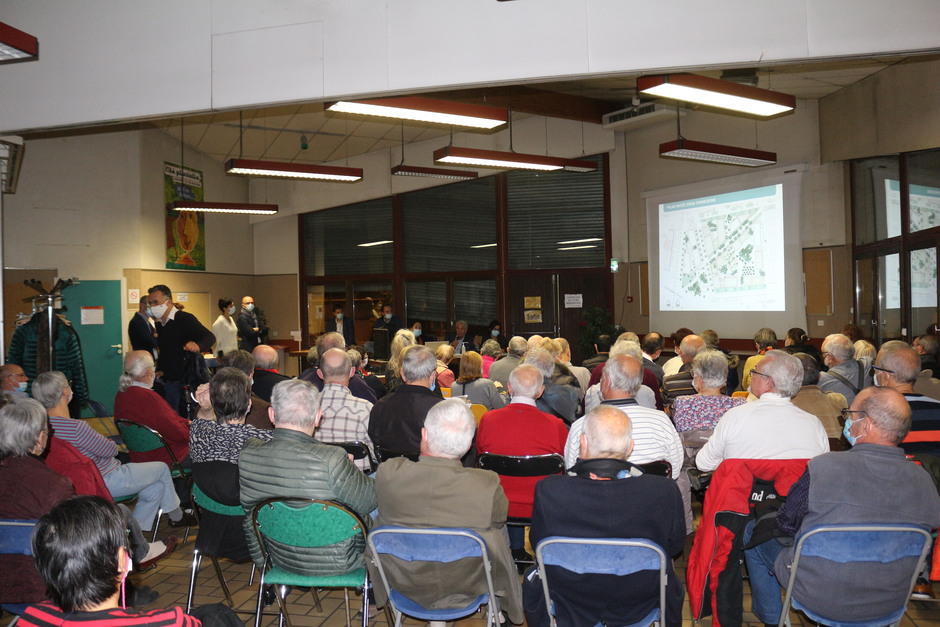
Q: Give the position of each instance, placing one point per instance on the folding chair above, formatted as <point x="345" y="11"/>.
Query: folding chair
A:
<point x="202" y="501"/>
<point x="603" y="556"/>
<point x="478" y="410"/>
<point x="359" y="450"/>
<point x="385" y="454"/>
<point x="661" y="468"/>
<point x="306" y="523"/>
<point x="140" y="439"/>
<point x="16" y="539"/>
<point x="877" y="546"/>
<point x="432" y="545"/>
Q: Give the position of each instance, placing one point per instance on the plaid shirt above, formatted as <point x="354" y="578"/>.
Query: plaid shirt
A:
<point x="345" y="419"/>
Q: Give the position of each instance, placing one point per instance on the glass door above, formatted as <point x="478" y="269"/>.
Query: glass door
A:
<point x="923" y="273"/>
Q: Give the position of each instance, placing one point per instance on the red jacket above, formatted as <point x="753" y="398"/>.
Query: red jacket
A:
<point x="67" y="460"/>
<point x="148" y="408"/>
<point x="713" y="575"/>
<point x="520" y="429"/>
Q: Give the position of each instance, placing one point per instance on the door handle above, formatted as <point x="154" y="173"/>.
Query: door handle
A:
<point x="119" y="347"/>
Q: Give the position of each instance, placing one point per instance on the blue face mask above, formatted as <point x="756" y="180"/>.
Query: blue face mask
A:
<point x="845" y="431"/>
<point x="417" y="332"/>
<point x="21" y="386"/>
<point x="433" y="384"/>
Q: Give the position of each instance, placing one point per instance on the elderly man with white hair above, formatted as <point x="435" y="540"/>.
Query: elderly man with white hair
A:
<point x="557" y="400"/>
<point x="771" y="427"/>
<point x="437" y="491"/>
<point x="499" y="371"/>
<point x="847" y="375"/>
<point x="266" y="375"/>
<point x="645" y="396"/>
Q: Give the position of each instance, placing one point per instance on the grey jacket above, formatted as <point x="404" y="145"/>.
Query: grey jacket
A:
<point x="295" y="464"/>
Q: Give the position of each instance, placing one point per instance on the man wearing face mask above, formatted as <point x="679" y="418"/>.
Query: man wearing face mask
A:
<point x="13" y="381"/>
<point x="389" y="321"/>
<point x="897" y="366"/>
<point x="178" y="332"/>
<point x="339" y="323"/>
<point x="250" y="329"/>
<point x="140" y="330"/>
<point x="872" y="483"/>
<point x="137" y="401"/>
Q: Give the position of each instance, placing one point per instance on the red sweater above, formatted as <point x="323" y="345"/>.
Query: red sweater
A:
<point x="148" y="408"/>
<point x="520" y="429"/>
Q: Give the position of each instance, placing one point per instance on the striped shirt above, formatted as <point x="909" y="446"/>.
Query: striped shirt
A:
<point x="48" y="615"/>
<point x="345" y="419"/>
<point x="89" y="442"/>
<point x="654" y="436"/>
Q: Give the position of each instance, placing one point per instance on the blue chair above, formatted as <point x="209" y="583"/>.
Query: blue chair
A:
<point x="432" y="545"/>
<point x="876" y="545"/>
<point x="16" y="539"/>
<point x="307" y="523"/>
<point x="603" y="556"/>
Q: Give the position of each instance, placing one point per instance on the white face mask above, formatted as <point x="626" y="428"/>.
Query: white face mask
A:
<point x="231" y="310"/>
<point x="339" y="317"/>
<point x="250" y="307"/>
<point x="157" y="311"/>
<point x="388" y="316"/>
<point x="417" y="332"/>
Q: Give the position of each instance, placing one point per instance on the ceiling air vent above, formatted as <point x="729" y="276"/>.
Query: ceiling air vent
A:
<point x="639" y="116"/>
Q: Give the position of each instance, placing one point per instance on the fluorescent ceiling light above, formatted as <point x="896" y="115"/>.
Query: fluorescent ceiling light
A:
<point x="15" y="45"/>
<point x="714" y="92"/>
<point x="222" y="207"/>
<point x="379" y="243"/>
<point x="581" y="241"/>
<point x="484" y="245"/>
<point x="280" y="169"/>
<point x="715" y="153"/>
<point x="577" y="247"/>
<point x="422" y="109"/>
<point x="504" y="160"/>
<point x="438" y="173"/>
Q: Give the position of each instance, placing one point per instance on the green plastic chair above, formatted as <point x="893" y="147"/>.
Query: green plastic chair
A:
<point x="142" y="439"/>
<point x="307" y="523"/>
<point x="202" y="501"/>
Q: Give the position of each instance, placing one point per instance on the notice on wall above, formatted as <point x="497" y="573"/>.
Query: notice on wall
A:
<point x="133" y="297"/>
<point x="533" y="316"/>
<point x="574" y="301"/>
<point x="533" y="302"/>
<point x="182" y="297"/>
<point x="92" y="315"/>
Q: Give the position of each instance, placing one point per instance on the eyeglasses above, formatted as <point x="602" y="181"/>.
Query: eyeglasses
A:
<point x="847" y="414"/>
<point x="874" y="367"/>
<point x="754" y="371"/>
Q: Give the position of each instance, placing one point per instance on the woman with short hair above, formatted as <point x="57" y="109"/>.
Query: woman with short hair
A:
<point x="225" y="329"/>
<point x="471" y="383"/>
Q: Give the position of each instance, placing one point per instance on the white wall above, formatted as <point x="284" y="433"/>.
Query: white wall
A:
<point x="105" y="60"/>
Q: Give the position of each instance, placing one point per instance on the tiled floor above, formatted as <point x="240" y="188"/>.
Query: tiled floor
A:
<point x="171" y="579"/>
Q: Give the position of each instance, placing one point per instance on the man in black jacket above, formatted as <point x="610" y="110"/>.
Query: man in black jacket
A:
<point x="250" y="329"/>
<point x="178" y="333"/>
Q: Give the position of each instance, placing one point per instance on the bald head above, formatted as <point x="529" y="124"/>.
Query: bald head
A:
<point x="335" y="367"/>
<point x="607" y="434"/>
<point x="138" y="364"/>
<point x="690" y="346"/>
<point x="330" y="340"/>
<point x="533" y="341"/>
<point x="886" y="416"/>
<point x="265" y="357"/>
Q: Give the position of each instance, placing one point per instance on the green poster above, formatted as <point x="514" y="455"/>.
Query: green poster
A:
<point x="185" y="230"/>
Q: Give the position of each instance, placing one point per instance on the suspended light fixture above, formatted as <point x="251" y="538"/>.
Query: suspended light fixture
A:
<point x="716" y="153"/>
<point x="439" y="173"/>
<point x="15" y="45"/>
<point x="420" y="109"/>
<point x="222" y="207"/>
<point x="714" y="92"/>
<point x="504" y="160"/>
<point x="281" y="169"/>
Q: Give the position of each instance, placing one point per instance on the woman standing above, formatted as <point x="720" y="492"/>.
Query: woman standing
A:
<point x="224" y="329"/>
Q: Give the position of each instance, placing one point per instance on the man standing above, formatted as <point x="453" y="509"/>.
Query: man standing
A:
<point x="266" y="374"/>
<point x="13" y="381"/>
<point x="459" y="340"/>
<point x="654" y="436"/>
<point x="178" y="333"/>
<point x="141" y="332"/>
<point x="396" y="419"/>
<point x="339" y="323"/>
<point x="847" y="375"/>
<point x="345" y="417"/>
<point x="294" y="464"/>
<point x="389" y="321"/>
<point x="897" y="366"/>
<point x="521" y="429"/>
<point x="499" y="371"/>
<point x="438" y="491"/>
<point x="607" y="497"/>
<point x="250" y="329"/>
<point x="770" y="427"/>
<point x="871" y="483"/>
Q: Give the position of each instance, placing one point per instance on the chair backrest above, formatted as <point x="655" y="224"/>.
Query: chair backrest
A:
<point x="874" y="544"/>
<point x="446" y="392"/>
<point x="523" y="465"/>
<point x="202" y="500"/>
<point x="16" y="536"/>
<point x="601" y="556"/>
<point x="660" y="468"/>
<point x="385" y="454"/>
<point x="359" y="450"/>
<point x="141" y="438"/>
<point x="739" y="394"/>
<point x="305" y="522"/>
<point x="478" y="410"/>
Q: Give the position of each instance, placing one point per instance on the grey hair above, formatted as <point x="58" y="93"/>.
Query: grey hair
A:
<point x="839" y="346"/>
<point x="690" y="346"/>
<point x="608" y="432"/>
<point x="48" y="388"/>
<point x="21" y="422"/>
<point x="711" y="366"/>
<point x="928" y="343"/>
<point x="627" y="347"/>
<point x="541" y="359"/>
<point x="265" y="356"/>
<point x="897" y="356"/>
<point x="417" y="363"/>
<point x="230" y="394"/>
<point x="355" y="358"/>
<point x="518" y="346"/>
<point x="330" y="340"/>
<point x="628" y="336"/>
<point x="462" y="323"/>
<point x="296" y="403"/>
<point x="616" y="374"/>
<point x="240" y="359"/>
<point x="135" y="365"/>
<point x="784" y="370"/>
<point x="892" y="418"/>
<point x="450" y="427"/>
<point x="810" y="368"/>
<point x="491" y="348"/>
<point x="766" y="338"/>
<point x="339" y="371"/>
<point x="526" y="380"/>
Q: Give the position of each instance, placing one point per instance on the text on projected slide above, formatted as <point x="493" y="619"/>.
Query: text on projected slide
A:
<point x="723" y="252"/>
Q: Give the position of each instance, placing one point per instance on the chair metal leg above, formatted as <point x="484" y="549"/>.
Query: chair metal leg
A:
<point x="316" y="599"/>
<point x="218" y="573"/>
<point x="365" y="601"/>
<point x="346" y="605"/>
<point x="282" y="604"/>
<point x="197" y="562"/>
<point x="260" y="600"/>
<point x="156" y="525"/>
<point x="251" y="576"/>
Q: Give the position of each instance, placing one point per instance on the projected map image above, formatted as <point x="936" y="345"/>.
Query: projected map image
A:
<point x="723" y="252"/>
